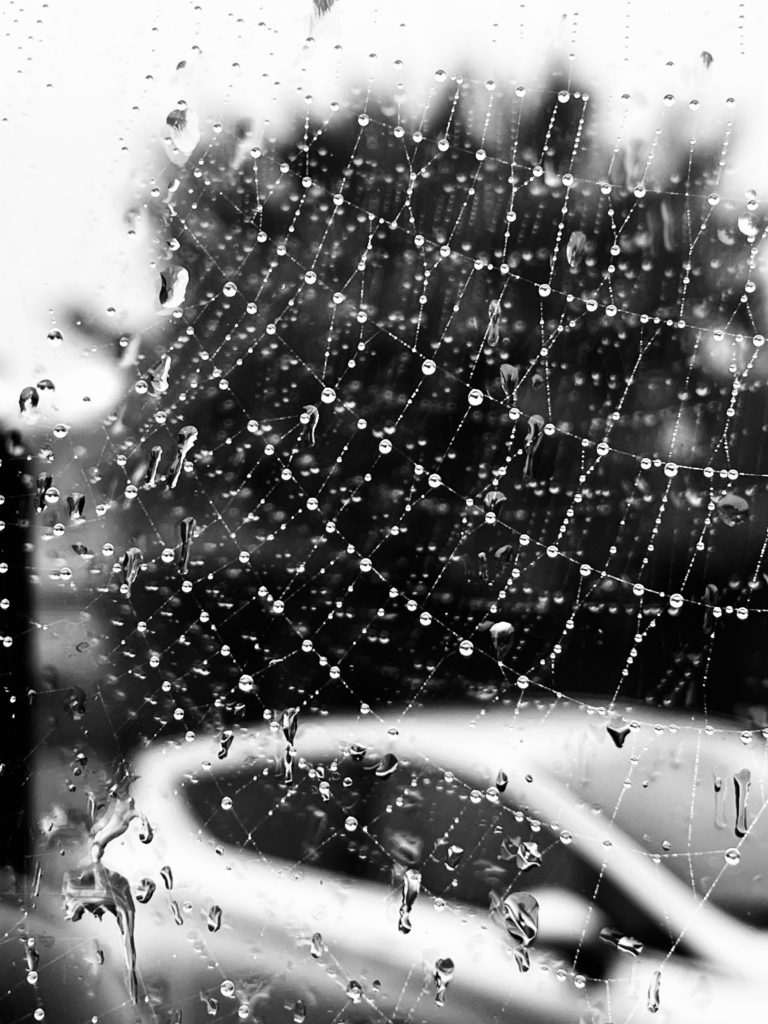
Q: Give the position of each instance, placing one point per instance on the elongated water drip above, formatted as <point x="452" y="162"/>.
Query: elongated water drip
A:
<point x="173" y="287"/>
<point x="44" y="482"/>
<point x="157" y="376"/>
<point x="76" y="505"/>
<point x="532" y="443"/>
<point x="309" y="420"/>
<point x="186" y="440"/>
<point x="96" y="890"/>
<point x="131" y="563"/>
<point x="187" y="527"/>
<point x="112" y="822"/>
<point x="520" y="916"/>
<point x="719" y="802"/>
<point x="741" y="782"/>
<point x="654" y="992"/>
<point x="155" y="455"/>
<point x="411" y="887"/>
<point x="493" y="330"/>
<point x="509" y="376"/>
<point x="443" y="973"/>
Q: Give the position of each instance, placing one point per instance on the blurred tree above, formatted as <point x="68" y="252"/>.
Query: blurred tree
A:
<point x="386" y="326"/>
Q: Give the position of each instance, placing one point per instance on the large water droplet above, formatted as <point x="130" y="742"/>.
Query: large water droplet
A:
<point x="411" y="887"/>
<point x="443" y="973"/>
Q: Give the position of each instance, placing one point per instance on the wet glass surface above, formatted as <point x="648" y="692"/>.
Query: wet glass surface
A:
<point x="383" y="517"/>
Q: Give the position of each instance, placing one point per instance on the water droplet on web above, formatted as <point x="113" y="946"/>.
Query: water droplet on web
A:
<point x="732" y="856"/>
<point x="355" y="991"/>
<point x="55" y="338"/>
<point x="453" y="856"/>
<point x="618" y="730"/>
<point x="227" y="989"/>
<point x="328" y="396"/>
<point x="622" y="942"/>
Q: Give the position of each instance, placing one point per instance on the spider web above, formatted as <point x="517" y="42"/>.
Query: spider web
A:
<point x="477" y="416"/>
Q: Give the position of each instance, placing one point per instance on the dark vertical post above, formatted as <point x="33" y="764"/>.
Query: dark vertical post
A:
<point x="15" y="651"/>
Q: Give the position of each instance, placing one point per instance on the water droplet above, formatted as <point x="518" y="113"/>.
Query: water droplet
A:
<point x="618" y="730"/>
<point x="443" y="973"/>
<point x="386" y="766"/>
<point x="96" y="890"/>
<point x="732" y="509"/>
<point x="145" y="890"/>
<point x="355" y="991"/>
<point x="622" y="942"/>
<point x="411" y="887"/>
<point x="741" y="782"/>
<point x="654" y="986"/>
